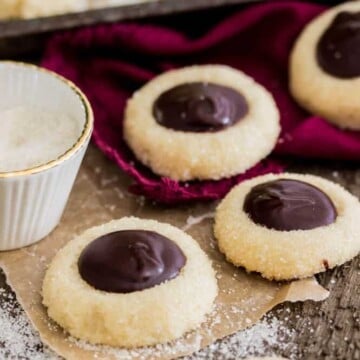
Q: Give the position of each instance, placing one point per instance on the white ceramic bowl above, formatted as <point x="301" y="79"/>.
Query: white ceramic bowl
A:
<point x="32" y="200"/>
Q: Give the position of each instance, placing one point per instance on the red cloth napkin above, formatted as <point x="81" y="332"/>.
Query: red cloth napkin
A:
<point x="109" y="62"/>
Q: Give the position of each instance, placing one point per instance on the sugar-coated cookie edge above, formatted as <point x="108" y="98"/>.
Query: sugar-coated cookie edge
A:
<point x="284" y="255"/>
<point x="333" y="98"/>
<point x="187" y="156"/>
<point x="155" y="315"/>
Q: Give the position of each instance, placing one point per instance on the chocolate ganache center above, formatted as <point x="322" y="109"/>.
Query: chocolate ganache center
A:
<point x="130" y="260"/>
<point x="338" y="51"/>
<point x="199" y="107"/>
<point x="289" y="205"/>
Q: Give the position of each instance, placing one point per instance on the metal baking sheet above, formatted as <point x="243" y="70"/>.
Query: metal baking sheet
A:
<point x="21" y="38"/>
<point x="16" y="28"/>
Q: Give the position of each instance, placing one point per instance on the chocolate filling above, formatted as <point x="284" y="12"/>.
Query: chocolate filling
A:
<point x="130" y="260"/>
<point x="289" y="205"/>
<point x="199" y="107"/>
<point x="338" y="50"/>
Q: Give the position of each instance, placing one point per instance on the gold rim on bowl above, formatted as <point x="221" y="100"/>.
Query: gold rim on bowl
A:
<point x="86" y="133"/>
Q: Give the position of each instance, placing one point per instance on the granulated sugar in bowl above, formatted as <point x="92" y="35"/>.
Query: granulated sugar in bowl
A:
<point x="46" y="124"/>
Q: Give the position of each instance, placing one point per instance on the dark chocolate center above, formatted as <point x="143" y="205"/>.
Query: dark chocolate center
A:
<point x="130" y="260"/>
<point x="289" y="205"/>
<point x="338" y="50"/>
<point x="199" y="107"/>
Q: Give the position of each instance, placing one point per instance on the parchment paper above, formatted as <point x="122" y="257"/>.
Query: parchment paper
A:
<point x="100" y="195"/>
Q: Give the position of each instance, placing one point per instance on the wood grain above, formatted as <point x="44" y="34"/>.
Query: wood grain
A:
<point x="329" y="330"/>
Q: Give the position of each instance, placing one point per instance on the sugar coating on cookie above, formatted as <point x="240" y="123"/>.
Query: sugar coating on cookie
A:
<point x="9" y="9"/>
<point x="325" y="66"/>
<point x="201" y="122"/>
<point x="104" y="307"/>
<point x="39" y="8"/>
<point x="279" y="254"/>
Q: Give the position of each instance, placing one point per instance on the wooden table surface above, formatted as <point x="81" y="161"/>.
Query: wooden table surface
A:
<point x="327" y="330"/>
<point x="331" y="329"/>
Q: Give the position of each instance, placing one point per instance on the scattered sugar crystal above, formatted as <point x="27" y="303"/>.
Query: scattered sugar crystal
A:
<point x="141" y="201"/>
<point x="108" y="181"/>
<point x="18" y="339"/>
<point x="269" y="333"/>
<point x="194" y="220"/>
<point x="119" y="193"/>
<point x="258" y="340"/>
<point x="32" y="137"/>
